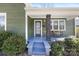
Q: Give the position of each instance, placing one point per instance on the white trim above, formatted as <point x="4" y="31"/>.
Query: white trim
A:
<point x="34" y="27"/>
<point x="76" y="18"/>
<point x="64" y="25"/>
<point x="5" y="16"/>
<point x="5" y="21"/>
<point x="26" y="27"/>
<point x="75" y="28"/>
<point x="26" y="24"/>
<point x="58" y="25"/>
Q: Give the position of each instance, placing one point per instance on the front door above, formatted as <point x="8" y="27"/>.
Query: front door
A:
<point x="37" y="28"/>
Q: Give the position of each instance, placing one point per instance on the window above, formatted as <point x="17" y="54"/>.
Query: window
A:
<point x="77" y="22"/>
<point x="58" y="25"/>
<point x="77" y="27"/>
<point x="61" y="25"/>
<point x="55" y="25"/>
<point x="3" y="21"/>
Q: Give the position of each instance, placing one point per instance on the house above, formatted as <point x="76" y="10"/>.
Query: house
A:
<point x="47" y="23"/>
<point x="40" y="26"/>
<point x="12" y="17"/>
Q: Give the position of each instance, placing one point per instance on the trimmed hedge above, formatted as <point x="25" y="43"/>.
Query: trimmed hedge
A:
<point x="14" y="45"/>
<point x="57" y="48"/>
<point x="77" y="46"/>
<point x="70" y="47"/>
<point x="3" y="36"/>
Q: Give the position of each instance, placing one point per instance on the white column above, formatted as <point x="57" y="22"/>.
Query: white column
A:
<point x="26" y="24"/>
<point x="76" y="23"/>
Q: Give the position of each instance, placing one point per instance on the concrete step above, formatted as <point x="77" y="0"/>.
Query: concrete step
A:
<point x="38" y="48"/>
<point x="38" y="53"/>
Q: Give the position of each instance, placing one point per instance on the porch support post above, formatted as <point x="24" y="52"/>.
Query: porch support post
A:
<point x="48" y="27"/>
<point x="26" y="24"/>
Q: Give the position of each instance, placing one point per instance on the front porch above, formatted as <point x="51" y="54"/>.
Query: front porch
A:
<point x="48" y="28"/>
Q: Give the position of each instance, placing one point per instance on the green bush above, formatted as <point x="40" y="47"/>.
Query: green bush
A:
<point x="57" y="48"/>
<point x="3" y="36"/>
<point x="77" y="46"/>
<point x="14" y="45"/>
<point x="69" y="47"/>
<point x="69" y="43"/>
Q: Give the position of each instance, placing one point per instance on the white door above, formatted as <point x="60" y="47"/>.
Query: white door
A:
<point x="37" y="28"/>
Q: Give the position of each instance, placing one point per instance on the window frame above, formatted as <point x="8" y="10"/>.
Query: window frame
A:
<point x="5" y="20"/>
<point x="58" y="20"/>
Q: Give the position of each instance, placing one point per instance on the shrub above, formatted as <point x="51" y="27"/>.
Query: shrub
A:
<point x="3" y="36"/>
<point x="57" y="48"/>
<point x="69" y="43"/>
<point x="70" y="47"/>
<point x="77" y="46"/>
<point x="14" y="45"/>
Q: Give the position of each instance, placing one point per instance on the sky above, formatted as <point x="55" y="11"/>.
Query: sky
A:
<point x="56" y="5"/>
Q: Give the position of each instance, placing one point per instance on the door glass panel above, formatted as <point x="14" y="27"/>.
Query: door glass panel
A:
<point x="38" y="28"/>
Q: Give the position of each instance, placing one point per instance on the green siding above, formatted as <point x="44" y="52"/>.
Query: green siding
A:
<point x="70" y="27"/>
<point x="15" y="17"/>
<point x="30" y="27"/>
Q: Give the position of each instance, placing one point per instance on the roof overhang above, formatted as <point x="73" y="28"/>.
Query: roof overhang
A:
<point x="55" y="12"/>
